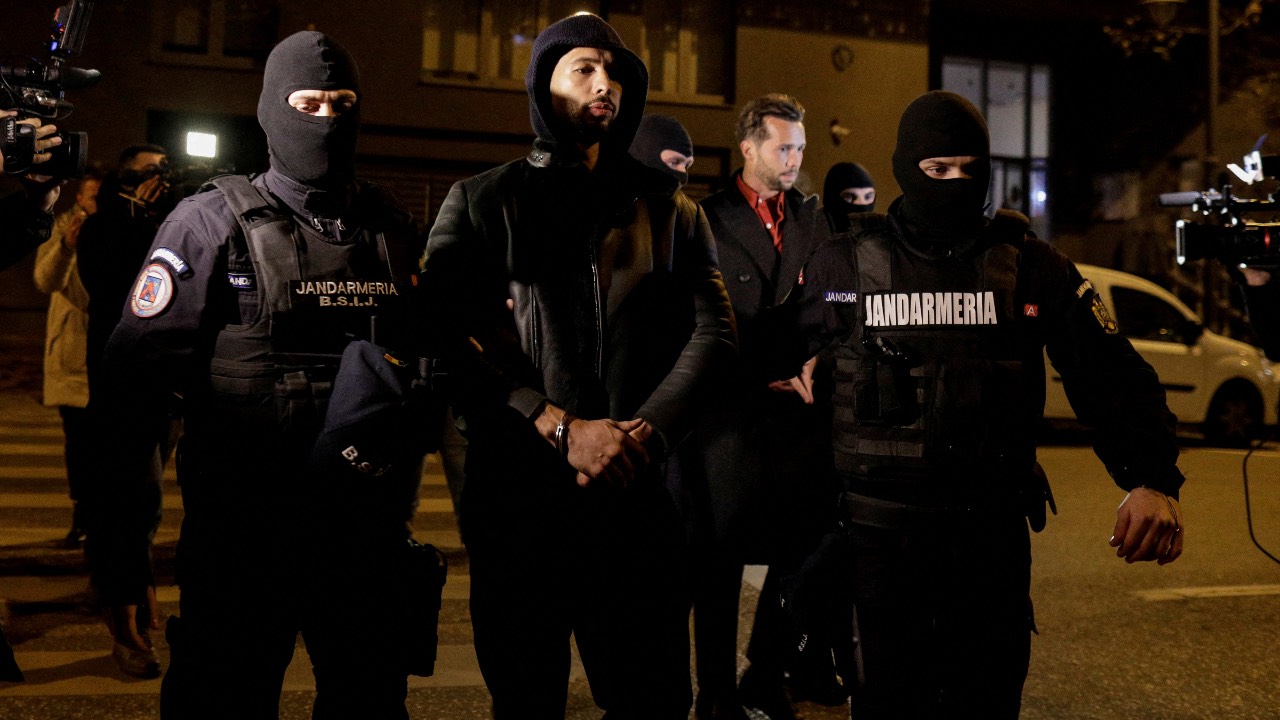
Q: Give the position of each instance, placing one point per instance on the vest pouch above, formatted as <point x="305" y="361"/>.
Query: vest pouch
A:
<point x="973" y="413"/>
<point x="884" y="389"/>
<point x="300" y="404"/>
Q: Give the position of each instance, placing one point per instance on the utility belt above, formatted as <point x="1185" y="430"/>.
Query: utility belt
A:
<point x="891" y="515"/>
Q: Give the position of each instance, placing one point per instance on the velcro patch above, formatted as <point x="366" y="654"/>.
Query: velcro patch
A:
<point x="840" y="296"/>
<point x="1104" y="318"/>
<point x="243" y="281"/>
<point x="180" y="266"/>
<point x="341" y="293"/>
<point x="152" y="291"/>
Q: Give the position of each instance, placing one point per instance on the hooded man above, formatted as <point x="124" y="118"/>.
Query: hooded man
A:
<point x="663" y="144"/>
<point x="250" y="294"/>
<point x="938" y="318"/>
<point x="581" y="292"/>
<point x="848" y="189"/>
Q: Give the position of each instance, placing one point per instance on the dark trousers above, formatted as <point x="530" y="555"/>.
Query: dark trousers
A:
<point x="266" y="556"/>
<point x="603" y="566"/>
<point x="753" y="487"/>
<point x="78" y="449"/>
<point x="944" y="617"/>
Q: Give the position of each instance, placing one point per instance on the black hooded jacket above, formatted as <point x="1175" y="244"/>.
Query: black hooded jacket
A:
<point x="616" y="306"/>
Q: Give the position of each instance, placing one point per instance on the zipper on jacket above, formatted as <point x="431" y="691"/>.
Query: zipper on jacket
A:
<point x="595" y="285"/>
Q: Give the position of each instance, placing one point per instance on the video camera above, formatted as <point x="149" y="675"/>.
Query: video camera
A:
<point x="36" y="90"/>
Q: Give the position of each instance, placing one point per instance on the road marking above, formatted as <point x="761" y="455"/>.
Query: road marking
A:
<point x="43" y="431"/>
<point x="31" y="449"/>
<point x="1218" y="591"/>
<point x="78" y="673"/>
<point x="44" y="501"/>
<point x="20" y="472"/>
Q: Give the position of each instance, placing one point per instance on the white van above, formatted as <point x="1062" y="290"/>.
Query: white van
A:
<point x="1224" y="386"/>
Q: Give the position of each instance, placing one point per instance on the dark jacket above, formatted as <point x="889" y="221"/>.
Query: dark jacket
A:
<point x="753" y="475"/>
<point x="595" y="289"/>
<point x="113" y="247"/>
<point x="758" y="281"/>
<point x="1053" y="309"/>
<point x="203" y="254"/>
<point x="23" y="226"/>
<point x="1263" y="303"/>
<point x="618" y="312"/>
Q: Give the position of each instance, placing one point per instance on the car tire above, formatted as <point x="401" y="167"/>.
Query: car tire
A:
<point x="1235" y="416"/>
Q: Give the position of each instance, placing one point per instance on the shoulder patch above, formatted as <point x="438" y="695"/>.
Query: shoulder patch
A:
<point x="1103" y="316"/>
<point x="179" y="265"/>
<point x="152" y="291"/>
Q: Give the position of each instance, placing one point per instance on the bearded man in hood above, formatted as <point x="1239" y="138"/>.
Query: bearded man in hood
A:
<point x="581" y="290"/>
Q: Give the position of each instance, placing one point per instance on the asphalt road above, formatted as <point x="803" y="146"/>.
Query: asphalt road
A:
<point x="1196" y="639"/>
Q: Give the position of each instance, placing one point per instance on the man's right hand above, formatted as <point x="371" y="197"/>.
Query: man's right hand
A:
<point x="150" y="189"/>
<point x="598" y="449"/>
<point x="606" y="449"/>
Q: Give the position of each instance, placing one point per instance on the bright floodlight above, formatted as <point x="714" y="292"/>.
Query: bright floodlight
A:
<point x="202" y="144"/>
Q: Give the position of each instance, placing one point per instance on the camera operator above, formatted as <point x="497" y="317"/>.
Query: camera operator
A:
<point x="1262" y="299"/>
<point x="26" y="204"/>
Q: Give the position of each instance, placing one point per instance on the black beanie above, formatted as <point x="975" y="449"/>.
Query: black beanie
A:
<point x="315" y="151"/>
<point x="575" y="31"/>
<point x="657" y="133"/>
<point x="942" y="124"/>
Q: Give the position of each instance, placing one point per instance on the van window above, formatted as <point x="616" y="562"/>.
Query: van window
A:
<point x="1143" y="316"/>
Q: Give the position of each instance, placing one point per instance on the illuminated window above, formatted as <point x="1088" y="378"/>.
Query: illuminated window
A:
<point x="687" y="45"/>
<point x="218" y="33"/>
<point x="1014" y="98"/>
<point x="487" y="40"/>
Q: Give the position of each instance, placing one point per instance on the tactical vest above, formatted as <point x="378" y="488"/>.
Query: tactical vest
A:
<point x="313" y="297"/>
<point x="930" y="385"/>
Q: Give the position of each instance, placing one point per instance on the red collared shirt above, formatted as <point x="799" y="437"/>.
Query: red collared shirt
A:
<point x="770" y="210"/>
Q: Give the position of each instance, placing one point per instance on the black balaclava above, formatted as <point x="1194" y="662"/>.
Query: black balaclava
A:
<point x="319" y="152"/>
<point x="657" y="133"/>
<point x="585" y="31"/>
<point x="942" y="124"/>
<point x="841" y="177"/>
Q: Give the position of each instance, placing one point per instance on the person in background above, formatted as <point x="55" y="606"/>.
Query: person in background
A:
<point x="112" y="247"/>
<point x="662" y="143"/>
<point x="1262" y="298"/>
<point x="26" y="220"/>
<point x="757" y="465"/>
<point x="26" y="202"/>
<point x="66" y="379"/>
<point x="847" y="190"/>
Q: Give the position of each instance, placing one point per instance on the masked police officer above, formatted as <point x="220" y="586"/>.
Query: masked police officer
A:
<point x="250" y="294"/>
<point x="939" y="317"/>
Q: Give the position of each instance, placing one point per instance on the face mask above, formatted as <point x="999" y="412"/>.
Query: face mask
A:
<point x="942" y="124"/>
<point x="316" y="151"/>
